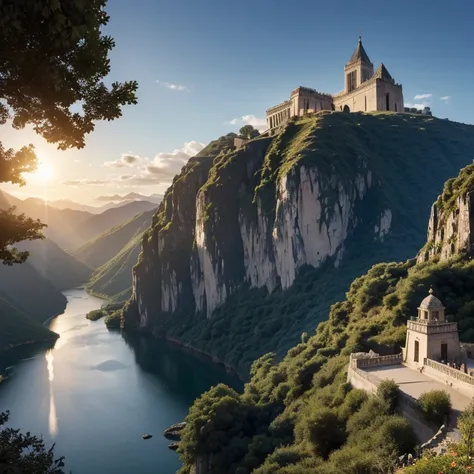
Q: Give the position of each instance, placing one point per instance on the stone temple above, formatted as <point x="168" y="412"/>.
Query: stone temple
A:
<point x="364" y="91"/>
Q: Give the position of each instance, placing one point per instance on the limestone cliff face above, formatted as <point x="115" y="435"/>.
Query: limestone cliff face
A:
<point x="450" y="230"/>
<point x="339" y="191"/>
<point x="220" y="228"/>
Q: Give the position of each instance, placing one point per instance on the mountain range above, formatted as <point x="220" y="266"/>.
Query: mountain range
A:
<point x="98" y="250"/>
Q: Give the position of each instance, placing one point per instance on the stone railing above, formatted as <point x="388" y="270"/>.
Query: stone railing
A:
<point x="449" y="371"/>
<point x="365" y="362"/>
<point x="432" y="327"/>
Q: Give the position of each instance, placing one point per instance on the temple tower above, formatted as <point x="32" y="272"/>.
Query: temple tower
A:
<point x="430" y="336"/>
<point x="358" y="70"/>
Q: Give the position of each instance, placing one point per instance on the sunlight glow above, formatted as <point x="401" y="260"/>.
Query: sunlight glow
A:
<point x="44" y="173"/>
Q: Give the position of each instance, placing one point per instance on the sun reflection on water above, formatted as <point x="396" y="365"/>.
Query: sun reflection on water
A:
<point x="53" y="419"/>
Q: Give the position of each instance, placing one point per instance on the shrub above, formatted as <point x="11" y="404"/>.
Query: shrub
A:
<point x="436" y="405"/>
<point x="388" y="391"/>
<point x="323" y="430"/>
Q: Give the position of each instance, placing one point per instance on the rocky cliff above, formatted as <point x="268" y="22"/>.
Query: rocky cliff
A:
<point x="450" y="229"/>
<point x="334" y="192"/>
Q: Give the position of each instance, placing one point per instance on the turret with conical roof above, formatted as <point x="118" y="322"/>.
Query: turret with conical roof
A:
<point x="359" y="68"/>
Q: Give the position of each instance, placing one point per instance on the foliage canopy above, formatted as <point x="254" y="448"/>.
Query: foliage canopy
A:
<point x="53" y="68"/>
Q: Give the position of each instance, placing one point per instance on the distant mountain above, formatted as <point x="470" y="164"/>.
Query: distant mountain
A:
<point x="72" y="228"/>
<point x="62" y="224"/>
<point x="107" y="245"/>
<point x="115" y="253"/>
<point x="96" y="224"/>
<point x="75" y="206"/>
<point x="62" y="269"/>
<point x="156" y="198"/>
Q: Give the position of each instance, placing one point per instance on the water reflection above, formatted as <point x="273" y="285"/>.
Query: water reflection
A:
<point x="52" y="419"/>
<point x="181" y="373"/>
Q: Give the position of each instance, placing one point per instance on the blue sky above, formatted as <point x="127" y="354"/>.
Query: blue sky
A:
<point x="203" y="64"/>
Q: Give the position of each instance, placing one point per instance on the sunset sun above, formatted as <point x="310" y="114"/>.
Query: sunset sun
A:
<point x="44" y="173"/>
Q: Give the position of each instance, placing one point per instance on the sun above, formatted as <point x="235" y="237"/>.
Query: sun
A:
<point x="43" y="173"/>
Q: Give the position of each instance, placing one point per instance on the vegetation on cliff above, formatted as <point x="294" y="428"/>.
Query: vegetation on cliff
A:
<point x="398" y="150"/>
<point x="299" y="414"/>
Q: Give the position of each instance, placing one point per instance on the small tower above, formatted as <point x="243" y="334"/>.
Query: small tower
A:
<point x="430" y="336"/>
<point x="359" y="68"/>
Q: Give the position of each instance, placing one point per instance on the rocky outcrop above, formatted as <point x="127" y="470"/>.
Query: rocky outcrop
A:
<point x="322" y="191"/>
<point x="229" y="225"/>
<point x="451" y="224"/>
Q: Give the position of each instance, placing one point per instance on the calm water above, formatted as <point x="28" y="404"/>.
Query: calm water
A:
<point x="95" y="393"/>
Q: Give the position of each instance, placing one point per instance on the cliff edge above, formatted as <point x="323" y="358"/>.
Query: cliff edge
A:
<point x="249" y="248"/>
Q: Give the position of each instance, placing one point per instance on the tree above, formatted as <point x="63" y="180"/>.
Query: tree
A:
<point x="466" y="427"/>
<point x="53" y="63"/>
<point x="25" y="454"/>
<point x="247" y="132"/>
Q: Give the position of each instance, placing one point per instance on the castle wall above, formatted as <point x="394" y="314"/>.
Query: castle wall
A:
<point x="363" y="99"/>
<point x="307" y="101"/>
<point x="278" y="114"/>
<point x="395" y="96"/>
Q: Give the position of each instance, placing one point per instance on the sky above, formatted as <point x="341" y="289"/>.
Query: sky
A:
<point x="207" y="67"/>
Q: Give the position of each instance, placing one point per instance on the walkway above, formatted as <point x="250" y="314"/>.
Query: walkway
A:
<point x="414" y="383"/>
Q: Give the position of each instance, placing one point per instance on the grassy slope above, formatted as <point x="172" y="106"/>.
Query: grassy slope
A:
<point x="410" y="157"/>
<point x="113" y="280"/>
<point x="98" y="251"/>
<point x="288" y="402"/>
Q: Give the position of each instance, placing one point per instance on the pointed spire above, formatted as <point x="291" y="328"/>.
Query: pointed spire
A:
<point x="430" y="290"/>
<point x="359" y="53"/>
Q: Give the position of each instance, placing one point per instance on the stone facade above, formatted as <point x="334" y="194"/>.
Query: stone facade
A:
<point x="431" y="337"/>
<point x="364" y="91"/>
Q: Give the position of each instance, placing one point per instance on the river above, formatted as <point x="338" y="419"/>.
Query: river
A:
<point x="96" y="392"/>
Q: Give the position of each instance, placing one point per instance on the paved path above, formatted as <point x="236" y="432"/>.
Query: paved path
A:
<point x="414" y="383"/>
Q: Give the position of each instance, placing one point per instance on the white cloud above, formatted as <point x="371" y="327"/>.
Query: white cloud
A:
<point x="83" y="182"/>
<point x="259" y="123"/>
<point x="422" y="96"/>
<point x="174" y="87"/>
<point x="420" y="105"/>
<point x="445" y="98"/>
<point x="125" y="161"/>
<point x="143" y="171"/>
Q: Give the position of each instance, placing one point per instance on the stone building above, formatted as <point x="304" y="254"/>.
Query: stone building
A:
<point x="430" y="336"/>
<point x="364" y="91"/>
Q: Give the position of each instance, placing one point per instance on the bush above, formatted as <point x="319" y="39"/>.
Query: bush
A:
<point x="96" y="314"/>
<point x="436" y="405"/>
<point x="323" y="430"/>
<point x="439" y="464"/>
<point x="388" y="391"/>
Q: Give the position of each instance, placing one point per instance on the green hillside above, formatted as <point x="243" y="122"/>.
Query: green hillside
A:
<point x="113" y="280"/>
<point x="299" y="415"/>
<point x="62" y="269"/>
<point x="16" y="328"/>
<point x="408" y="157"/>
<point x="107" y="245"/>
<point x="30" y="292"/>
